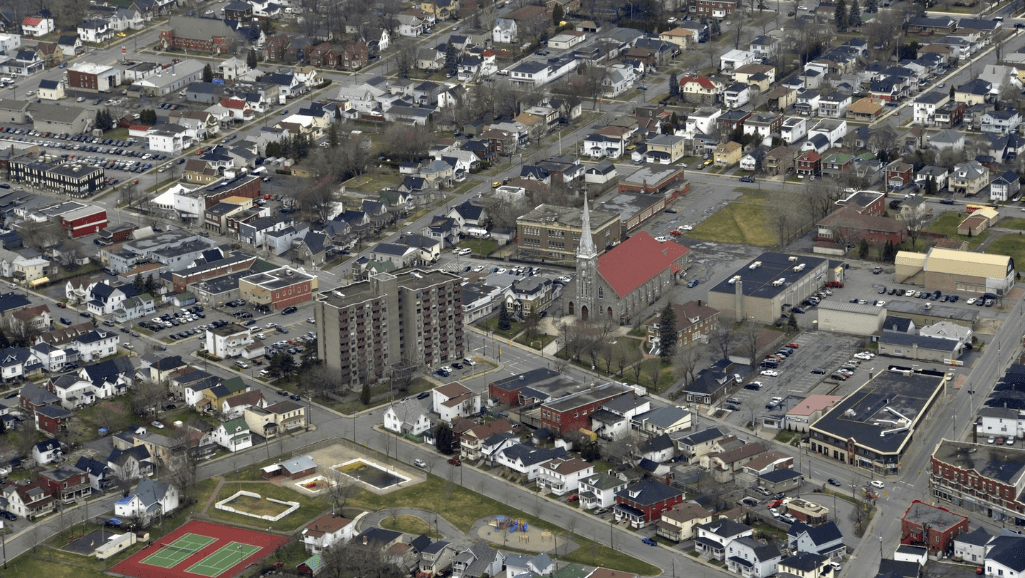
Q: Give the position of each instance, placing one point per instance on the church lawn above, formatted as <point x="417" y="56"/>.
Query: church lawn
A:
<point x="535" y="341"/>
<point x="491" y="324"/>
<point x="738" y="222"/>
<point x="625" y="348"/>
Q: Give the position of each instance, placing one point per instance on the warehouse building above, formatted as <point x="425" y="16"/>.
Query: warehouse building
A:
<point x="919" y="347"/>
<point x="956" y="271"/>
<point x="873" y="427"/>
<point x="771" y="284"/>
<point x="922" y="313"/>
<point x="853" y="318"/>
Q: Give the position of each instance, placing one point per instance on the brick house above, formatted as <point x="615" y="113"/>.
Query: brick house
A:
<point x="808" y="164"/>
<point x="934" y="527"/>
<point x="66" y="483"/>
<point x="847" y="225"/>
<point x="780" y="160"/>
<point x="644" y="502"/>
<point x="52" y="419"/>
<point x="694" y="320"/>
<point x="714" y="8"/>
<point x="898" y="175"/>
<point x="323" y="55"/>
<point x="355" y="56"/>
<point x="573" y="412"/>
<point x="507" y="391"/>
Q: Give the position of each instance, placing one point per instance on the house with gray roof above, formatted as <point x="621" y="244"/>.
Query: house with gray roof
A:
<point x="150" y="499"/>
<point x="477" y="560"/>
<point x="407" y="417"/>
<point x="752" y="558"/>
<point x="663" y="420"/>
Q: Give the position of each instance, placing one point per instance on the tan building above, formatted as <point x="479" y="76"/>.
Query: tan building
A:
<point x="850" y="318"/>
<point x="281" y="417"/>
<point x="968" y="178"/>
<point x="279" y="288"/>
<point x="805" y="565"/>
<point x="948" y="271"/>
<point x="749" y="74"/>
<point x="682" y="37"/>
<point x="678" y="523"/>
<point x="764" y="287"/>
<point x="809" y="411"/>
<point x="701" y="89"/>
<point x="666" y="148"/>
<point x="553" y="233"/>
<point x="728" y="154"/>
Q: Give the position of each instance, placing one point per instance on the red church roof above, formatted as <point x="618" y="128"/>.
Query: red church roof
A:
<point x="636" y="261"/>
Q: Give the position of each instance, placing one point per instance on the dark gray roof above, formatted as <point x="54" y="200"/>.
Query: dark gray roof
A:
<point x="804" y="561"/>
<point x="895" y="323"/>
<point x="780" y="475"/>
<point x="648" y="492"/>
<point x="903" y="569"/>
<point x="922" y="341"/>
<point x="819" y="535"/>
<point x="977" y="537"/>
<point x="702" y="436"/>
<point x="529" y="455"/>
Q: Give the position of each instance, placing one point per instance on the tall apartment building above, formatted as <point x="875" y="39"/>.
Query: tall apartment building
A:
<point x="366" y="328"/>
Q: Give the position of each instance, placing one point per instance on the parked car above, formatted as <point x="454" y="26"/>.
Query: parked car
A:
<point x="455" y="461"/>
<point x="649" y="541"/>
<point x="420" y="463"/>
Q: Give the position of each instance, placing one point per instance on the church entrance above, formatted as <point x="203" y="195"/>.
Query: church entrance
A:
<point x="571" y="308"/>
<point x="610" y="313"/>
<point x="583" y="313"/>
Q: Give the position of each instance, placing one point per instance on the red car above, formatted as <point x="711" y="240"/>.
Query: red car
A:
<point x="793" y="345"/>
<point x="455" y="461"/>
<point x="775" y="503"/>
<point x="573" y="498"/>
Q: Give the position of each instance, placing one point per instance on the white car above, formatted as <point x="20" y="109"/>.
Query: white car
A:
<point x="446" y="368"/>
<point x="880" y="303"/>
<point x="468" y="361"/>
<point x="419" y="463"/>
<point x="836" y="566"/>
<point x="661" y="238"/>
<point x="876" y="484"/>
<point x="770" y="373"/>
<point x="501" y="270"/>
<point x="478" y="268"/>
<point x="157" y="425"/>
<point x="971" y="301"/>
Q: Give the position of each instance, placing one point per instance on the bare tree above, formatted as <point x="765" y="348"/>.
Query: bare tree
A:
<point x="340" y="490"/>
<point x="687" y="359"/>
<point x="748" y="336"/>
<point x="915" y="219"/>
<point x="723" y="335"/>
<point x="184" y="463"/>
<point x="147" y="399"/>
<point x="69" y="254"/>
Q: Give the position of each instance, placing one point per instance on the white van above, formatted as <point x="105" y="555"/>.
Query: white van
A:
<point x="463" y="251"/>
<point x="242" y="364"/>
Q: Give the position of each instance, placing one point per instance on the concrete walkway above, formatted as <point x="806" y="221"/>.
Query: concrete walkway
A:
<point x="443" y="526"/>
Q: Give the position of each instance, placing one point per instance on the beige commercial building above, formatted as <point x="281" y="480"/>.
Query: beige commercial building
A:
<point x="853" y="318"/>
<point x="553" y="233"/>
<point x="771" y="284"/>
<point x="950" y="271"/>
<point x="281" y="417"/>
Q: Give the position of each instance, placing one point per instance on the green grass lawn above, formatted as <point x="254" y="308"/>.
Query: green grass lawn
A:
<point x="350" y="407"/>
<point x="114" y="414"/>
<point x="535" y="341"/>
<point x="481" y="247"/>
<point x="410" y="525"/>
<point x="308" y="506"/>
<point x="1011" y="245"/>
<point x="946" y="224"/>
<point x="744" y="221"/>
<point x="1015" y="223"/>
<point x="252" y="473"/>
<point x="462" y="507"/>
<point x="373" y="182"/>
<point x="626" y="348"/>
<point x="491" y="324"/>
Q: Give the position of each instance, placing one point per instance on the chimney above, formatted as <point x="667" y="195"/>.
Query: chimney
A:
<point x="365" y="540"/>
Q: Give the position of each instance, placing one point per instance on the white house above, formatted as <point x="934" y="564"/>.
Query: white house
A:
<point x="96" y="344"/>
<point x="233" y="435"/>
<point x="149" y="499"/>
<point x="715" y="536"/>
<point x="505" y="31"/>
<point x="169" y="138"/>
<point x="972" y="546"/>
<point x="751" y="558"/>
<point x="454" y="400"/>
<point x="562" y="475"/>
<point x="598" y="146"/>
<point x="47" y="452"/>
<point x="703" y="120"/>
<point x="36" y="26"/>
<point x="526" y="459"/>
<point x="102" y="299"/>
<point x="520" y="564"/>
<point x="1000" y="421"/>
<point x="599" y="490"/>
<point x="228" y="341"/>
<point x="736" y="58"/>
<point x="737" y="95"/>
<point x="52" y="358"/>
<point x="328" y="530"/>
<point x="95" y="30"/>
<point x="612" y="421"/>
<point x="407" y="416"/>
<point x="825" y="539"/>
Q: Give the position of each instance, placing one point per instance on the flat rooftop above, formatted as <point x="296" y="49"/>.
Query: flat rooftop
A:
<point x="349" y="295"/>
<point x="585" y="397"/>
<point x="937" y="518"/>
<point x="883" y="413"/>
<point x="566" y="216"/>
<point x="938" y="310"/>
<point x="652" y="176"/>
<point x="420" y="279"/>
<point x="998" y="463"/>
<point x="278" y="278"/>
<point x="761" y="275"/>
<point x="626" y="205"/>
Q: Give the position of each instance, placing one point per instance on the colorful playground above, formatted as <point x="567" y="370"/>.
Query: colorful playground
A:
<point x="200" y="549"/>
<point x="506" y="531"/>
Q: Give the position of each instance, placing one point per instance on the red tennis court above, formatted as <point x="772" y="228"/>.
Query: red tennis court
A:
<point x="172" y="556"/>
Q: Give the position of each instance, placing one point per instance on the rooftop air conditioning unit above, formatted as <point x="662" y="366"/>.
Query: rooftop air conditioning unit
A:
<point x="792" y="259"/>
<point x="800" y="267"/>
<point x="755" y="265"/>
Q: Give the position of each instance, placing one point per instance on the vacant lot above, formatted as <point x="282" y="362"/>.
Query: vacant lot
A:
<point x="1011" y="245"/>
<point x="744" y="221"/>
<point x="257" y="506"/>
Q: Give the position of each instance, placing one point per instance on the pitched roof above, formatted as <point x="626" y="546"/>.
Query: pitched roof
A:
<point x="636" y="261"/>
<point x="648" y="492"/>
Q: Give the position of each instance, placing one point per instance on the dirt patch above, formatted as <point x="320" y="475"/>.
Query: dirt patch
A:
<point x="498" y="532"/>
<point x="988" y="326"/>
<point x="257" y="506"/>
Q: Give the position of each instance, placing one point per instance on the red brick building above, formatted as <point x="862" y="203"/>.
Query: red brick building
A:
<point x="507" y="391"/>
<point x="354" y="56"/>
<point x="52" y="419"/>
<point x="992" y="476"/>
<point x="278" y="289"/>
<point x="233" y="264"/>
<point x="809" y="163"/>
<point x="656" y="180"/>
<point x="84" y="221"/>
<point x="198" y="34"/>
<point x="864" y="202"/>
<point x="323" y="54"/>
<point x="847" y="225"/>
<point x="714" y="8"/>
<point x="573" y="412"/>
<point x="898" y="175"/>
<point x="644" y="502"/>
<point x="66" y="483"/>
<point x="932" y="526"/>
<point x="247" y="186"/>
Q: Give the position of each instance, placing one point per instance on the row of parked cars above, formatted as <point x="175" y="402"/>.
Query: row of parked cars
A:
<point x="772" y="361"/>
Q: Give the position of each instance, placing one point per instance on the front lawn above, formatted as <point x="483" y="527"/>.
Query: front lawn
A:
<point x="480" y="247"/>
<point x="1016" y="223"/>
<point x="491" y="324"/>
<point x="537" y="341"/>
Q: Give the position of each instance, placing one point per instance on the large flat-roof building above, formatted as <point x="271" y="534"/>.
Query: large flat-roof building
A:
<point x="769" y="285"/>
<point x="279" y="288"/>
<point x="980" y="478"/>
<point x="874" y="426"/>
<point x="553" y="233"/>
<point x="948" y="271"/>
<point x="413" y="317"/>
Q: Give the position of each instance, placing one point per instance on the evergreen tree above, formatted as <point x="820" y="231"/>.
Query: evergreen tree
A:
<point x="444" y="439"/>
<point x="871" y="7"/>
<point x="364" y="394"/>
<point x="332" y="135"/>
<point x="863" y="248"/>
<point x="138" y="284"/>
<point x="451" y="58"/>
<point x="273" y="149"/>
<point x="840" y="16"/>
<point x="667" y="333"/>
<point x="208" y="73"/>
<point x="150" y="286"/>
<point x="503" y="318"/>
<point x="251" y="60"/>
<point x="713" y="28"/>
<point x="338" y="113"/>
<point x="674" y="85"/>
<point x="476" y="19"/>
<point x="557" y="15"/>
<point x="930" y="186"/>
<point x="854" y="16"/>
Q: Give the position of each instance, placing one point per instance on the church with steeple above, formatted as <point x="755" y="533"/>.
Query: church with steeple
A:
<point x="626" y="279"/>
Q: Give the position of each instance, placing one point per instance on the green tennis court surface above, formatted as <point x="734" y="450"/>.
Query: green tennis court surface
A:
<point x="220" y="561"/>
<point x="170" y="555"/>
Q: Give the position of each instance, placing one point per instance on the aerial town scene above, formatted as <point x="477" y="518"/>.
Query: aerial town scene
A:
<point x="512" y="288"/>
